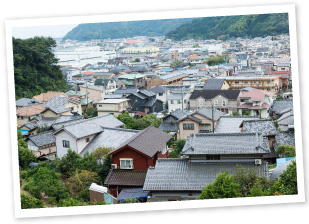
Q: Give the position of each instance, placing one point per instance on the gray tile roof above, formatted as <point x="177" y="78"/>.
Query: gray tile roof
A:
<point x="214" y="84"/>
<point x="286" y="119"/>
<point x="264" y="126"/>
<point x="149" y="141"/>
<point x="24" y="102"/>
<point x="279" y="106"/>
<point x="87" y="127"/>
<point x="180" y="113"/>
<point x="58" y="101"/>
<point x="285" y="138"/>
<point x="126" y="91"/>
<point x="158" y="89"/>
<point x="43" y="138"/>
<point x="231" y="124"/>
<point x="109" y="137"/>
<point x="210" y="94"/>
<point x="147" y="93"/>
<point x="169" y="127"/>
<point x="226" y="143"/>
<point x="183" y="175"/>
<point x="208" y="113"/>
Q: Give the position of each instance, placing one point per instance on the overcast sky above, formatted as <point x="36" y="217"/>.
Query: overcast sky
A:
<point x="52" y="31"/>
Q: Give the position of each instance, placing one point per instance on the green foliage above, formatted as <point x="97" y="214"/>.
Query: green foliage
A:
<point x="214" y="61"/>
<point x="129" y="122"/>
<point x="90" y="111"/>
<point x="246" y="113"/>
<point x="178" y="64"/>
<point x="104" y="168"/>
<point x="29" y="202"/>
<point x="42" y="129"/>
<point x="131" y="200"/>
<point x="35" y="67"/>
<point x="235" y="113"/>
<point x="287" y="181"/>
<point x="247" y="179"/>
<point x="68" y="163"/>
<point x="84" y="194"/>
<point x="259" y="189"/>
<point x="286" y="151"/>
<point x="25" y="156"/>
<point x="196" y="46"/>
<point x="223" y="187"/>
<point x="70" y="202"/>
<point x="101" y="151"/>
<point x="42" y="180"/>
<point x="224" y="27"/>
<point x="114" y="30"/>
<point x="177" y="146"/>
<point x="137" y="60"/>
<point x="146" y="121"/>
<point x="80" y="180"/>
<point x="100" y="203"/>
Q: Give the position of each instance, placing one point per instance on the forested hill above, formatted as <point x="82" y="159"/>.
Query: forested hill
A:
<point x="114" y="30"/>
<point x="224" y="27"/>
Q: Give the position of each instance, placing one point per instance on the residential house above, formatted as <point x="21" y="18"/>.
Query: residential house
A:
<point x="131" y="80"/>
<point x="173" y="78"/>
<point x="133" y="157"/>
<point x="108" y="84"/>
<point x="95" y="93"/>
<point x="126" y="91"/>
<point x="145" y="101"/>
<point x="231" y="124"/>
<point x="25" y="102"/>
<point x="43" y="145"/>
<point x="200" y="120"/>
<point x="280" y="107"/>
<point x="286" y="121"/>
<point x="170" y="122"/>
<point x="58" y="106"/>
<point x="286" y="78"/>
<point x="112" y="106"/>
<point x="284" y="66"/>
<point x="44" y="97"/>
<point x="256" y="103"/>
<point x="178" y="101"/>
<point x="208" y="156"/>
<point x="25" y="114"/>
<point x="216" y="84"/>
<point x="223" y="100"/>
<point x="78" y="134"/>
<point x="162" y="94"/>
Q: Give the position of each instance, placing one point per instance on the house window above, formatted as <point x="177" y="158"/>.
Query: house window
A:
<point x="126" y="163"/>
<point x="100" y="105"/>
<point x="160" y="94"/>
<point x="66" y="144"/>
<point x="216" y="102"/>
<point x="87" y="140"/>
<point x="212" y="157"/>
<point x="200" y="102"/>
<point x="188" y="126"/>
<point x="223" y="103"/>
<point x="178" y="101"/>
<point x="172" y="101"/>
<point x="236" y="82"/>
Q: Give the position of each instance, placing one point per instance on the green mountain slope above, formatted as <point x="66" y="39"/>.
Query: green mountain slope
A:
<point x="114" y="30"/>
<point x="223" y="27"/>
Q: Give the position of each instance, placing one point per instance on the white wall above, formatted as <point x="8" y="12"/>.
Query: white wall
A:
<point x="60" y="136"/>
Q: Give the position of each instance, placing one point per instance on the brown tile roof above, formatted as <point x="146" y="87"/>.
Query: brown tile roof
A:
<point x="47" y="96"/>
<point x="126" y="177"/>
<point x="149" y="141"/>
<point x="30" y="110"/>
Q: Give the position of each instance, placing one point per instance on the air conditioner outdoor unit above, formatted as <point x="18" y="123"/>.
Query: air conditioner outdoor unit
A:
<point x="258" y="162"/>
<point x="114" y="166"/>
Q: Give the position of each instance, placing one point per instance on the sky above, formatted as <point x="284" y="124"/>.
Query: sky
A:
<point x="56" y="31"/>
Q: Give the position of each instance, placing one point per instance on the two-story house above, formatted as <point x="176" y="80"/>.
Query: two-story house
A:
<point x="133" y="157"/>
<point x="145" y="101"/>
<point x="162" y="94"/>
<point x="223" y="100"/>
<point x="207" y="156"/>
<point x="112" y="106"/>
<point x="256" y="103"/>
<point x="58" y="106"/>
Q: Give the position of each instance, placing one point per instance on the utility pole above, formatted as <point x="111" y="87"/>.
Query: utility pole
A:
<point x="87" y="93"/>
<point x="212" y="119"/>
<point x="181" y="98"/>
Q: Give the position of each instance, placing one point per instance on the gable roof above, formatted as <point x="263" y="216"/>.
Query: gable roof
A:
<point x="210" y="94"/>
<point x="226" y="143"/>
<point x="125" y="177"/>
<point x="230" y="124"/>
<point x="24" y="102"/>
<point x="87" y="127"/>
<point x="149" y="141"/>
<point x="280" y="106"/>
<point x="43" y="138"/>
<point x="185" y="175"/>
<point x="158" y="89"/>
<point x="208" y="113"/>
<point x="47" y="96"/>
<point x="30" y="110"/>
<point x="58" y="101"/>
<point x="264" y="126"/>
<point x="214" y="84"/>
<point x="256" y="95"/>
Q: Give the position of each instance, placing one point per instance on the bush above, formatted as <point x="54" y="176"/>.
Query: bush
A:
<point x="223" y="187"/>
<point x="178" y="146"/>
<point x="79" y="181"/>
<point x="286" y="151"/>
<point x="103" y="169"/>
<point x="84" y="194"/>
<point x="29" y="202"/>
<point x="131" y="200"/>
<point x="287" y="181"/>
<point x="42" y="180"/>
<point x="70" y="202"/>
<point x="68" y="163"/>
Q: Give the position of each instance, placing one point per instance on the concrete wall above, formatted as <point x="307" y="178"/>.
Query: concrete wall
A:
<point x="60" y="136"/>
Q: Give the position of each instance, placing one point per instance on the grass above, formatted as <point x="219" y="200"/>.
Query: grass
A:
<point x="272" y="166"/>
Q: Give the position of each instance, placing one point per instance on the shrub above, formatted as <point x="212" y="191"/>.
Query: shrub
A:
<point x="70" y="202"/>
<point x="223" y="187"/>
<point x="29" y="202"/>
<point x="79" y="181"/>
<point x="286" y="151"/>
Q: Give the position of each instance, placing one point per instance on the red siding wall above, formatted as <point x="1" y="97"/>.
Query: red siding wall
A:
<point x="140" y="162"/>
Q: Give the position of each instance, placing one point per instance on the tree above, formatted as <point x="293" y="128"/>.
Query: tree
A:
<point x="223" y="187"/>
<point x="35" y="67"/>
<point x="214" y="61"/>
<point x="178" y="146"/>
<point x="287" y="181"/>
<point x="29" y="202"/>
<point x="286" y="151"/>
<point x="90" y="111"/>
<point x="25" y="156"/>
<point x="196" y="46"/>
<point x="100" y="152"/>
<point x="137" y="60"/>
<point x="146" y="121"/>
<point x="103" y="169"/>
<point x="81" y="180"/>
<point x="68" y="163"/>
<point x="128" y="121"/>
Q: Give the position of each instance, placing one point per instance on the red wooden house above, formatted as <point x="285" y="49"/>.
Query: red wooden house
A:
<point x="132" y="159"/>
